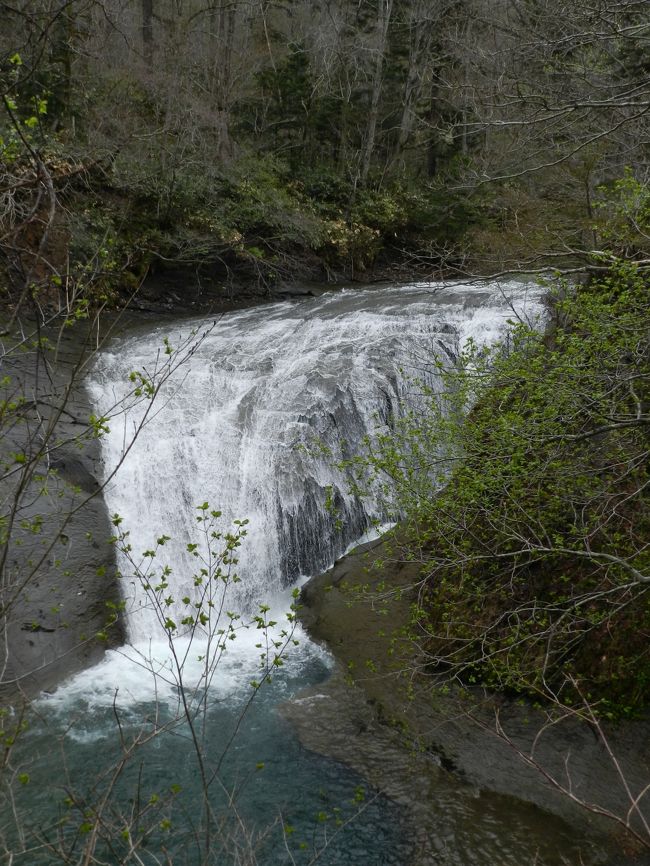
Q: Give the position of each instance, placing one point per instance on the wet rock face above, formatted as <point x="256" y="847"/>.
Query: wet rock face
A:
<point x="431" y="751"/>
<point x="58" y="590"/>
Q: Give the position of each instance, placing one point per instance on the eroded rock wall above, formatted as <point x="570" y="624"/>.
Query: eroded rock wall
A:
<point x="60" y="597"/>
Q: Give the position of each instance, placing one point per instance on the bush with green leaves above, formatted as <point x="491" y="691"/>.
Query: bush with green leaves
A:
<point x="531" y="515"/>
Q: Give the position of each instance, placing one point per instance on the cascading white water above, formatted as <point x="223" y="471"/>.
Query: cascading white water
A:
<point x="242" y="422"/>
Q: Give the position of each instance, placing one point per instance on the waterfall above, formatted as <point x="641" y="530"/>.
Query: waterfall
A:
<point x="235" y="424"/>
<point x="256" y="418"/>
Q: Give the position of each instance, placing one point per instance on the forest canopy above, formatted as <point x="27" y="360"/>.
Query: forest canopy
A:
<point x="328" y="139"/>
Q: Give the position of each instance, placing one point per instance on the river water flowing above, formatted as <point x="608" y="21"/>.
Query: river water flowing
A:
<point x="251" y="425"/>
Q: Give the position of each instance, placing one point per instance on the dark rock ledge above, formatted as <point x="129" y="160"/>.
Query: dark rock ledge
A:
<point x="58" y="590"/>
<point x="429" y="750"/>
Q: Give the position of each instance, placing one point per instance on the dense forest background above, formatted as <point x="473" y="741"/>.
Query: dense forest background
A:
<point x="324" y="139"/>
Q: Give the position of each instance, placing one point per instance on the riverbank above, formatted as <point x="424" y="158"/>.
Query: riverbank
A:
<point x="379" y="715"/>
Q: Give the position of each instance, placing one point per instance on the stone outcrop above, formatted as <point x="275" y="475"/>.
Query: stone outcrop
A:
<point x="59" y="590"/>
<point x="380" y="714"/>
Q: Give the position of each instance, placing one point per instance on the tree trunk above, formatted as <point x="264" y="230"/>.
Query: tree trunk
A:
<point x="147" y="30"/>
<point x="223" y="31"/>
<point x="385" y="9"/>
<point x="420" y="40"/>
<point x="432" y="148"/>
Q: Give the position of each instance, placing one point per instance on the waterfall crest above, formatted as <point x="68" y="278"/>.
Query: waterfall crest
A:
<point x="237" y="424"/>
